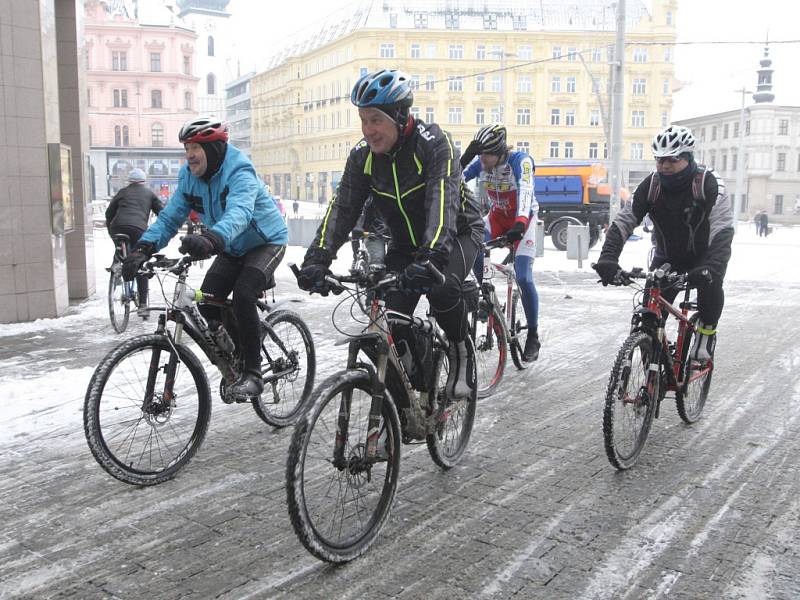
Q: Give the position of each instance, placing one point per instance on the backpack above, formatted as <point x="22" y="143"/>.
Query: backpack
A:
<point x="698" y="189"/>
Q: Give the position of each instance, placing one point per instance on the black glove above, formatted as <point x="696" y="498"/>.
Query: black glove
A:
<point x="607" y="268"/>
<point x="470" y="153"/>
<point x="312" y="278"/>
<point x="516" y="232"/>
<point x="133" y="262"/>
<point x="700" y="277"/>
<point x="201" y="246"/>
<point x="416" y="279"/>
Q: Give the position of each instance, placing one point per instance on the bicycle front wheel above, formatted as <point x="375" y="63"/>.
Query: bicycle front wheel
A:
<point x="448" y="442"/>
<point x="690" y="398"/>
<point x="630" y="401"/>
<point x="119" y="304"/>
<point x="288" y="364"/>
<point x="491" y="348"/>
<point x="518" y="329"/>
<point x="339" y="499"/>
<point x="142" y="422"/>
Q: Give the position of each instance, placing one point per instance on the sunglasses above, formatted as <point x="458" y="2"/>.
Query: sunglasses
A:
<point x="668" y="159"/>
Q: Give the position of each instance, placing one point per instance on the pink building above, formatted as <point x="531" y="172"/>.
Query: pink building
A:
<point x="141" y="89"/>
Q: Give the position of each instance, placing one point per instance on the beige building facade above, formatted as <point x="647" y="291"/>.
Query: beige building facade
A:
<point x="542" y="70"/>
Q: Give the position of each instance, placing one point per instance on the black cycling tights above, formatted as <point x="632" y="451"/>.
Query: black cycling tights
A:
<point x="247" y="277"/>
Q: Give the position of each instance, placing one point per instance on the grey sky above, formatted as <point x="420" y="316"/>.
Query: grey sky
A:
<point x="712" y="72"/>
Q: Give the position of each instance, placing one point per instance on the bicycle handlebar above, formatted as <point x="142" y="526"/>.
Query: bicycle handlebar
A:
<point x="498" y="242"/>
<point x="662" y="274"/>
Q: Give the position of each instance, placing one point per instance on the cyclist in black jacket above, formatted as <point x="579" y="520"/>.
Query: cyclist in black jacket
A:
<point x="692" y="228"/>
<point x="128" y="213"/>
<point x="412" y="171"/>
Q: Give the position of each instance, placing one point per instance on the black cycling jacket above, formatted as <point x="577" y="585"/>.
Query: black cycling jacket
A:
<point x="417" y="189"/>
<point x="131" y="207"/>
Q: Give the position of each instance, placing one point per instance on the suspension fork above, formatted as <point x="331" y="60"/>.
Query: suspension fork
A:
<point x="171" y="368"/>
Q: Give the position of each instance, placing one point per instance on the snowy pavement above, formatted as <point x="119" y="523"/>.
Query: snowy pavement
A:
<point x="533" y="511"/>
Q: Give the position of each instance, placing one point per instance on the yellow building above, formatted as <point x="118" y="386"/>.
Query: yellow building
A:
<point x="542" y="68"/>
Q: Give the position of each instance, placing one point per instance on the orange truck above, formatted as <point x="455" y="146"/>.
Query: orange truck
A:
<point x="574" y="193"/>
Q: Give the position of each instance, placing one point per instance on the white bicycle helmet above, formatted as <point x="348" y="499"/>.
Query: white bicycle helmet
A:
<point x="674" y="140"/>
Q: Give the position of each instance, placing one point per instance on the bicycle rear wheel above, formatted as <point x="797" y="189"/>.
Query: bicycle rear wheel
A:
<point x="288" y="366"/>
<point x="136" y="430"/>
<point x="491" y="348"/>
<point x="119" y="304"/>
<point x="629" y="406"/>
<point x="690" y="398"/>
<point x="518" y="328"/>
<point x="448" y="442"/>
<point x="339" y="502"/>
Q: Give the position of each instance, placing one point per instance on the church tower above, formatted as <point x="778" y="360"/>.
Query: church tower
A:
<point x="764" y="89"/>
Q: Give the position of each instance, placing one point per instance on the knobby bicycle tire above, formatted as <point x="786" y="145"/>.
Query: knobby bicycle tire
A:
<point x="284" y="399"/>
<point x="690" y="398"/>
<point x="448" y="442"/>
<point x="310" y="470"/>
<point x="491" y="350"/>
<point x="629" y="410"/>
<point x="518" y="324"/>
<point x="115" y="418"/>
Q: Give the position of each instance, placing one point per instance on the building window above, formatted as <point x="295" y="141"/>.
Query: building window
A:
<point x="747" y="127"/>
<point x="455" y="83"/>
<point x="553" y="149"/>
<point x="429" y="114"/>
<point x="596" y="55"/>
<point x="451" y="20"/>
<point x="497" y="83"/>
<point x="637" y="118"/>
<point x="489" y="21"/>
<point x="480" y="52"/>
<point x="725" y="131"/>
<point x="592" y="149"/>
<point x="430" y="83"/>
<point x="119" y="61"/>
<point x="781" y="161"/>
<point x="669" y="17"/>
<point x="736" y="129"/>
<point x="640" y="55"/>
<point x="155" y="99"/>
<point x="454" y="115"/>
<point x="569" y="150"/>
<point x="555" y="84"/>
<point x="392" y="21"/>
<point x="420" y="20"/>
<point x="187" y="101"/>
<point x="556" y="52"/>
<point x="605" y="150"/>
<point x="724" y="161"/>
<point x="187" y="65"/>
<point x="594" y="118"/>
<point x="211" y="45"/>
<point x="430" y="51"/>
<point x="455" y="51"/>
<point x="524" y="83"/>
<point x="734" y="160"/>
<point x="637" y="151"/>
<point x="90" y="135"/>
<point x="155" y="62"/>
<point x="665" y="87"/>
<point x="668" y="54"/>
<point x="496" y="115"/>
<point x="157" y="134"/>
<point x="571" y="85"/>
<point x="480" y="83"/>
<point x="519" y="22"/>
<point x="524" y="147"/>
<point x="555" y="116"/>
<point x="523" y="116"/>
<point x="713" y="132"/>
<point x="387" y="51"/>
<point x="569" y="118"/>
<point x="211" y="84"/>
<point x="120" y="98"/>
<point x="664" y="118"/>
<point x="480" y="116"/>
<point x="783" y="127"/>
<point x="414" y="111"/>
<point x="117" y="135"/>
<point x="416" y="51"/>
<point x="778" y="204"/>
<point x="712" y="158"/>
<point x="572" y="54"/>
<point x="525" y="52"/>
<point x="639" y="87"/>
<point x="88" y="96"/>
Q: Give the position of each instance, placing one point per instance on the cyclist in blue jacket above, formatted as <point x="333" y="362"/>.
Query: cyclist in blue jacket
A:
<point x="505" y="182"/>
<point x="243" y="227"/>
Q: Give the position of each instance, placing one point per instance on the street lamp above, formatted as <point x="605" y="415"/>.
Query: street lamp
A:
<point x="740" y="167"/>
<point x="502" y="54"/>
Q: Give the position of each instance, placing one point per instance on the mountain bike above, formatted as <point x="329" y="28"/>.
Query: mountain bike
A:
<point x="497" y="325"/>
<point x="148" y="404"/>
<point x="121" y="293"/>
<point x="649" y="365"/>
<point x="342" y="469"/>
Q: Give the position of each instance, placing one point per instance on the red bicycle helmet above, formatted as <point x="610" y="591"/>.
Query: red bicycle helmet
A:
<point x="203" y="129"/>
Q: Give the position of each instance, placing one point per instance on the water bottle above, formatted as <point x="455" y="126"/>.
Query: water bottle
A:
<point x="221" y="337"/>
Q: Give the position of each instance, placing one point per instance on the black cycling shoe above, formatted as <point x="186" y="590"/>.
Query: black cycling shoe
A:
<point x="248" y="386"/>
<point x="532" y="345"/>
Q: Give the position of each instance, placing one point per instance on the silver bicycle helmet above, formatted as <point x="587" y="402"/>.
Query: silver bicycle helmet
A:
<point x="673" y="141"/>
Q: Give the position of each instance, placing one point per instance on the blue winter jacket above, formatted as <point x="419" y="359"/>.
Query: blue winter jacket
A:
<point x="233" y="204"/>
